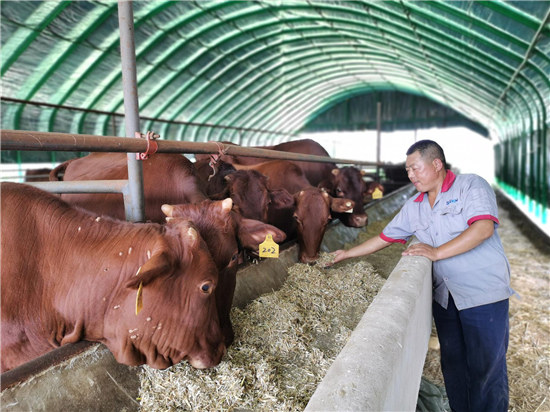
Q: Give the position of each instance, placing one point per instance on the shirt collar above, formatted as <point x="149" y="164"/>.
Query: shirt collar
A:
<point x="447" y="183"/>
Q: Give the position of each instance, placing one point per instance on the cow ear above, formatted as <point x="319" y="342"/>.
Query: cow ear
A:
<point x="281" y="198"/>
<point x="335" y="171"/>
<point x="220" y="196"/>
<point x="159" y="264"/>
<point x="342" y="205"/>
<point x="253" y="232"/>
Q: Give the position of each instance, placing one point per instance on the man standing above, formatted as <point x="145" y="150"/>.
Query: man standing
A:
<point x="454" y="218"/>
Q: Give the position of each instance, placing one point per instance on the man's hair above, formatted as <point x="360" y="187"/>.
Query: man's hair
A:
<point x="429" y="150"/>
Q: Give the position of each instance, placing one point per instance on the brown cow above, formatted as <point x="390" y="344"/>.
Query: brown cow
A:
<point x="69" y="275"/>
<point x="247" y="188"/>
<point x="310" y="212"/>
<point x="324" y="175"/>
<point x="170" y="179"/>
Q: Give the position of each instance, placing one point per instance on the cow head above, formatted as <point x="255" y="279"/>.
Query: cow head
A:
<point x="224" y="231"/>
<point x="312" y="213"/>
<point x="250" y="195"/>
<point x="179" y="319"/>
<point x="347" y="182"/>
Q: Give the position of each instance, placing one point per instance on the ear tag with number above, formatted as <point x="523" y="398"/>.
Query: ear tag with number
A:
<point x="377" y="194"/>
<point x="269" y="248"/>
<point x="139" y="299"/>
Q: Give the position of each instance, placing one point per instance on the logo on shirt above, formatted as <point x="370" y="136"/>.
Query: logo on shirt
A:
<point x="451" y="201"/>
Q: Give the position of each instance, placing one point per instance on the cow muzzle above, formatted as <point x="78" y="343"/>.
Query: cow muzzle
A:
<point x="358" y="220"/>
<point x="309" y="260"/>
<point x="208" y="360"/>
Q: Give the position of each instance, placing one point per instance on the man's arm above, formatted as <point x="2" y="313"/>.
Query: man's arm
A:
<point x="476" y="234"/>
<point x="366" y="248"/>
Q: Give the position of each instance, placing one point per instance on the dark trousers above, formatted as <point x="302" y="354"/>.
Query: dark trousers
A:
<point x="473" y="355"/>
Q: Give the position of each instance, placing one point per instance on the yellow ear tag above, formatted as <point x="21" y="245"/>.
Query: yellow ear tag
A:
<point x="269" y="248"/>
<point x="139" y="299"/>
<point x="377" y="194"/>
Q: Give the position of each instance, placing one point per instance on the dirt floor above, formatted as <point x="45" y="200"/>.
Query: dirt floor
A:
<point x="529" y="349"/>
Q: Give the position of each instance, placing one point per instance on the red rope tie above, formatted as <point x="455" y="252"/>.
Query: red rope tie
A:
<point x="222" y="150"/>
<point x="152" y="145"/>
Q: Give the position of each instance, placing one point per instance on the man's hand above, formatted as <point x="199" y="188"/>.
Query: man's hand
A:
<point x="339" y="255"/>
<point x="422" y="249"/>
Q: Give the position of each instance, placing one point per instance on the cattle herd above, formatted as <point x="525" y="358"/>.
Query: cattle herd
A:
<point x="157" y="292"/>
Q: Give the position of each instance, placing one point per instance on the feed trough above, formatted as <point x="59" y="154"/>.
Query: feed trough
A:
<point x="383" y="356"/>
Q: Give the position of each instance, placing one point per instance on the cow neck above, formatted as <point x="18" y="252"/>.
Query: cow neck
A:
<point x="108" y="252"/>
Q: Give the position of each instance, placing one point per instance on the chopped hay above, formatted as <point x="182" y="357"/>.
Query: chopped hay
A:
<point x="528" y="354"/>
<point x="285" y="342"/>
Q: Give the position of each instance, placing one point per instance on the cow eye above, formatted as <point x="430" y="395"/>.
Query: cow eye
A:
<point x="206" y="287"/>
<point x="295" y="217"/>
<point x="234" y="257"/>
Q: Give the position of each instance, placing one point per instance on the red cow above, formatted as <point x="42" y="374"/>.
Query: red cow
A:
<point x="309" y="214"/>
<point x="247" y="188"/>
<point x="170" y="179"/>
<point x="349" y="184"/>
<point x="68" y="275"/>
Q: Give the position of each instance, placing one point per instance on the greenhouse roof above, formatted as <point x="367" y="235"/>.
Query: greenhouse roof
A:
<point x="270" y="65"/>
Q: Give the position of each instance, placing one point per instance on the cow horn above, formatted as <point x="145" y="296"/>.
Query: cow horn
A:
<point x="227" y="178"/>
<point x="192" y="233"/>
<point x="227" y="204"/>
<point x="302" y="193"/>
<point x="167" y="210"/>
<point x="335" y="171"/>
<point x="348" y="204"/>
<point x="363" y="173"/>
<point x="325" y="194"/>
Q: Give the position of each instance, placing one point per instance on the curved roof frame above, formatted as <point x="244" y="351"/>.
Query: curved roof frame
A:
<point x="270" y="117"/>
<point x="395" y="25"/>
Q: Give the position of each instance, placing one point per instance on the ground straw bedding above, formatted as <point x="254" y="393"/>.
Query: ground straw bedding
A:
<point x="285" y="342"/>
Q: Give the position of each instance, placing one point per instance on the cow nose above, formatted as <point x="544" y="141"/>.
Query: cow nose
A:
<point x="308" y="260"/>
<point x="359" y="220"/>
<point x="209" y="360"/>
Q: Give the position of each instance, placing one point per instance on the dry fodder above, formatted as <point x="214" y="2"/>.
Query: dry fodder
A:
<point x="285" y="342"/>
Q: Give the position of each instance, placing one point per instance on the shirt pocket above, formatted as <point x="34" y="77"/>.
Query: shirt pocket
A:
<point x="453" y="221"/>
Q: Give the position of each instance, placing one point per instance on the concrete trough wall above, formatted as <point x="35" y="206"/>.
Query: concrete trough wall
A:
<point x="92" y="380"/>
<point x="380" y="367"/>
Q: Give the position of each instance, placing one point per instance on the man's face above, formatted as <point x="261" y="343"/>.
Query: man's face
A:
<point x="422" y="174"/>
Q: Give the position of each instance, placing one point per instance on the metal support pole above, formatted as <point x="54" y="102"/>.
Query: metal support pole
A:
<point x="378" y="140"/>
<point x="135" y="210"/>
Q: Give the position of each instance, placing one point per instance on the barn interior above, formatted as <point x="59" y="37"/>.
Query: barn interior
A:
<point x="260" y="73"/>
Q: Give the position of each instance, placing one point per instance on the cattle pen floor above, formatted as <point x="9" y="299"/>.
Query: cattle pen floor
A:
<point x="528" y="354"/>
<point x="285" y="340"/>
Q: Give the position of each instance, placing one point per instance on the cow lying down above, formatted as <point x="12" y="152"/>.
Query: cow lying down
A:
<point x="69" y="275"/>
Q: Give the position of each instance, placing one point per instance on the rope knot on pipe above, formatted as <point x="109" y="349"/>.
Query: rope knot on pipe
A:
<point x="222" y="151"/>
<point x="152" y="145"/>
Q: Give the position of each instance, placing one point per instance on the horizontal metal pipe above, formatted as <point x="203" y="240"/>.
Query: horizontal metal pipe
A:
<point x="25" y="140"/>
<point x="152" y="119"/>
<point x="84" y="186"/>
